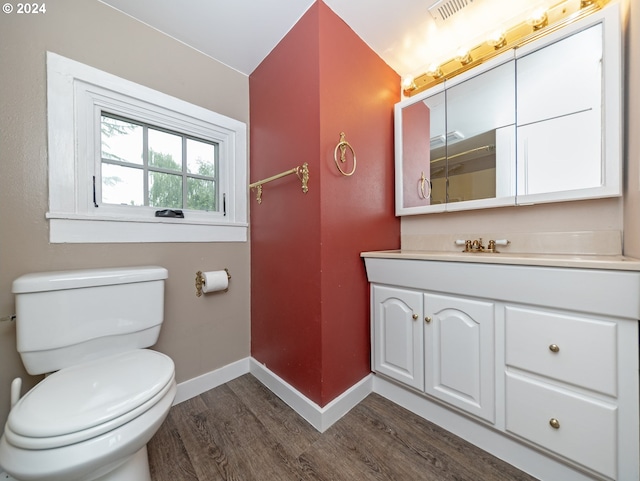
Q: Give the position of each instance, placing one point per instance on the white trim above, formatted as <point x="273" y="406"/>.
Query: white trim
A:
<point x="198" y="385"/>
<point x="320" y="418"/>
<point x="76" y="95"/>
<point x="76" y="230"/>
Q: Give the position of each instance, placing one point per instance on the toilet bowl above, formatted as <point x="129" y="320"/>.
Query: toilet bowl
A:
<point x="90" y="421"/>
<point x="105" y="394"/>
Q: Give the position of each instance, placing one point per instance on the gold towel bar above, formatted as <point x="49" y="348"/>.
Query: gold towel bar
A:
<point x="302" y="171"/>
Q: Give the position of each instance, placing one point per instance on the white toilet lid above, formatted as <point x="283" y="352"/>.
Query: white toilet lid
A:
<point x="80" y="397"/>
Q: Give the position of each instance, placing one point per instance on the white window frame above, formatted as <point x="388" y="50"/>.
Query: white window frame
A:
<point x="76" y="96"/>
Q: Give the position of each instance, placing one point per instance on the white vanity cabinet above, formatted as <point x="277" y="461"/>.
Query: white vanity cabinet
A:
<point x="562" y="383"/>
<point x="442" y="345"/>
<point x="538" y="364"/>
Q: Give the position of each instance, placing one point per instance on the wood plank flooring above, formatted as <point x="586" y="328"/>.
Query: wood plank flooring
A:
<point x="241" y="431"/>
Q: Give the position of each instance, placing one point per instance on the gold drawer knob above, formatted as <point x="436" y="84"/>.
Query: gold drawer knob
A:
<point x="415" y="317"/>
<point x="554" y="423"/>
<point x="554" y="348"/>
<point x="427" y="319"/>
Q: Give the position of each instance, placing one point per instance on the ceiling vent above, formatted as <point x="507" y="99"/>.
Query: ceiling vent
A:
<point x="443" y="10"/>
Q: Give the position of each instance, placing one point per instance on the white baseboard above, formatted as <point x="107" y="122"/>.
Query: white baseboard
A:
<point x="320" y="418"/>
<point x="196" y="386"/>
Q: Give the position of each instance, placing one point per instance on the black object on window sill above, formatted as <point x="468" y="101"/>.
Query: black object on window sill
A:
<point x="170" y="213"/>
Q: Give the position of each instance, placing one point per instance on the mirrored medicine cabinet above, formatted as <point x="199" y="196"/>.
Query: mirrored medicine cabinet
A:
<point x="538" y="123"/>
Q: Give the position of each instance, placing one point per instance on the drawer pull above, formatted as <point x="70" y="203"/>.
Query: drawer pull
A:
<point x="554" y="348"/>
<point x="427" y="319"/>
<point x="415" y="317"/>
<point x="554" y="423"/>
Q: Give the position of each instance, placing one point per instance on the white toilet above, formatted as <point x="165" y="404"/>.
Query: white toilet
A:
<point x="91" y="419"/>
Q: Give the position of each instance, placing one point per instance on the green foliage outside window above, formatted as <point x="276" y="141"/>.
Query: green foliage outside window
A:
<point x="166" y="179"/>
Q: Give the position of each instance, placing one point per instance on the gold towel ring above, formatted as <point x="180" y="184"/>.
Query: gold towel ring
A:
<point x="342" y="145"/>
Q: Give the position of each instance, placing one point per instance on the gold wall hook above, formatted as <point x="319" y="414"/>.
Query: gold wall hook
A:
<point x="303" y="175"/>
<point x="343" y="145"/>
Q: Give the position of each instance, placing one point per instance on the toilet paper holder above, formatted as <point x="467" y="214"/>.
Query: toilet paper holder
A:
<point x="200" y="281"/>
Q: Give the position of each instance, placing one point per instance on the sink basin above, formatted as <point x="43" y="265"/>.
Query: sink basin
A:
<point x="555" y="260"/>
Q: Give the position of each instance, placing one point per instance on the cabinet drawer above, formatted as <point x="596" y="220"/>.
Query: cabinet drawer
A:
<point x="568" y="348"/>
<point x="587" y="431"/>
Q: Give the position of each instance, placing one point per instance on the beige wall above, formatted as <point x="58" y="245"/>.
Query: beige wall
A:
<point x="632" y="131"/>
<point x="200" y="334"/>
<point x="592" y="215"/>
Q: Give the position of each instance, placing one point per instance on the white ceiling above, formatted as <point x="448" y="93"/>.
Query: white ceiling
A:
<point x="241" y="33"/>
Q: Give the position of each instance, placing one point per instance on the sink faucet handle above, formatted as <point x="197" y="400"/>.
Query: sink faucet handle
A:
<point x="465" y="243"/>
<point x="498" y="242"/>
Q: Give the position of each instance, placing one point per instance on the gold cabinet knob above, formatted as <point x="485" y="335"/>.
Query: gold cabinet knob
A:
<point x="554" y="348"/>
<point x="554" y="423"/>
<point x="427" y="319"/>
<point x="415" y="317"/>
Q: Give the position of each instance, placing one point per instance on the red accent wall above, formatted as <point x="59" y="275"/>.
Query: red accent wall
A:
<point x="310" y="297"/>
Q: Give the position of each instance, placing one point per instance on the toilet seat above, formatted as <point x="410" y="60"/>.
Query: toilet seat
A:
<point x="87" y="400"/>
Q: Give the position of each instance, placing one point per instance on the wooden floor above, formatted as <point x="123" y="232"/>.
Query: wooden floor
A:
<point x="241" y="431"/>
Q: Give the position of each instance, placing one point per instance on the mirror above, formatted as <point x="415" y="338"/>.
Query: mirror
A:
<point x="540" y="123"/>
<point x="480" y="146"/>
<point x="559" y="115"/>
<point x="423" y="138"/>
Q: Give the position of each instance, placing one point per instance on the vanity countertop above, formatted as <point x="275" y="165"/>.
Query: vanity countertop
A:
<point x="605" y="262"/>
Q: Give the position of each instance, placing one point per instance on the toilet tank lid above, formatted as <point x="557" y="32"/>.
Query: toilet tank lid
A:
<point x="59" y="280"/>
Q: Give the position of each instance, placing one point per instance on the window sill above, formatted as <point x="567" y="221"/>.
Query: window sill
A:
<point x="78" y="229"/>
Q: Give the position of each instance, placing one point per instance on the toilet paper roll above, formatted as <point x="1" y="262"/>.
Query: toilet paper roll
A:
<point x="215" y="281"/>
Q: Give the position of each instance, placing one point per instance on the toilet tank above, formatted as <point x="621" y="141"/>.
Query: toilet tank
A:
<point x="69" y="317"/>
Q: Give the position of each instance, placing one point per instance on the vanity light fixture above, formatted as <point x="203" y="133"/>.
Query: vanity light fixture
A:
<point x="541" y="23"/>
<point x="497" y="39"/>
<point x="539" y="19"/>
<point x="464" y="56"/>
<point x="434" y="71"/>
<point x="408" y="84"/>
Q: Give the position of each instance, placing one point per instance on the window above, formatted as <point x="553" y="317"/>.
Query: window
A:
<point x="119" y="152"/>
<point x="144" y="165"/>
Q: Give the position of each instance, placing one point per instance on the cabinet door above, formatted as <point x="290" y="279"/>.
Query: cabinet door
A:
<point x="423" y="144"/>
<point x="397" y="334"/>
<point x="559" y="98"/>
<point x="459" y="353"/>
<point x="480" y="155"/>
